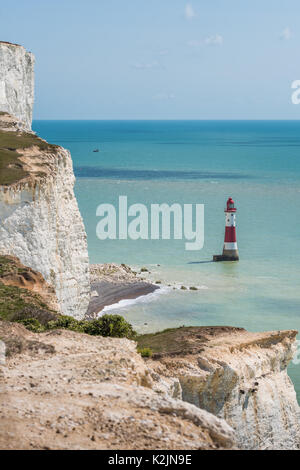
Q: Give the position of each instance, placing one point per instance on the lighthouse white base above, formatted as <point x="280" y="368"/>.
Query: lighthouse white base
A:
<point x="230" y="246"/>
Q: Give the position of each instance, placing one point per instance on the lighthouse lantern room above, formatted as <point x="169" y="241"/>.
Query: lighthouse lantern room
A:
<point x="230" y="249"/>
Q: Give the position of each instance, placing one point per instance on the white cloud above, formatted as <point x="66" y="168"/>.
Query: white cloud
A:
<point x="286" y="34"/>
<point x="189" y="12"/>
<point x="214" y="40"/>
<point x="147" y="65"/>
<point x="164" y="52"/>
<point x="164" y="96"/>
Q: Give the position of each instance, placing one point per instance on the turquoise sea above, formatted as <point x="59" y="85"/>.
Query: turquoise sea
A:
<point x="255" y="162"/>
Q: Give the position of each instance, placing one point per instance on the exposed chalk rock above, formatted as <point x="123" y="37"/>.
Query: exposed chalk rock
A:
<point x="96" y="391"/>
<point x="40" y="222"/>
<point x="238" y="376"/>
<point x="39" y="218"/>
<point x="17" y="82"/>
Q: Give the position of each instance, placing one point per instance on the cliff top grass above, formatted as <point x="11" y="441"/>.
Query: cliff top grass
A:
<point x="14" y="300"/>
<point x="8" y="265"/>
<point x="11" y="143"/>
<point x="14" y="295"/>
<point x="182" y="340"/>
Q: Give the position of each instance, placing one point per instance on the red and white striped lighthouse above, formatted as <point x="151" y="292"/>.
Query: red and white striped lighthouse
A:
<point x="230" y="250"/>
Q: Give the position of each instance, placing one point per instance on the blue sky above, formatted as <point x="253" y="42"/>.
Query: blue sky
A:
<point x="159" y="59"/>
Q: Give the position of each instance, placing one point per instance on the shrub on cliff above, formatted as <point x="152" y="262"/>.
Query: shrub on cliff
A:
<point x="66" y="323"/>
<point x="110" y="325"/>
<point x="14" y="300"/>
<point x="33" y="312"/>
<point x="32" y="324"/>
<point x="145" y="352"/>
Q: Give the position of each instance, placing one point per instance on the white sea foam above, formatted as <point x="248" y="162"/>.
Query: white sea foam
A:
<point x="145" y="299"/>
<point x="138" y="300"/>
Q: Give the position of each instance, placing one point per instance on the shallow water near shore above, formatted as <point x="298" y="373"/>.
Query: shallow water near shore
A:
<point x="257" y="163"/>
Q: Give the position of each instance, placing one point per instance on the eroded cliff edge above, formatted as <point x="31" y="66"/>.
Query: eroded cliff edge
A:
<point x="236" y="375"/>
<point x="66" y="390"/>
<point x="40" y="222"/>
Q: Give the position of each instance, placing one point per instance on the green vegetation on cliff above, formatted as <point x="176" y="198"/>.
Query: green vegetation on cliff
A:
<point x="145" y="352"/>
<point x="166" y="341"/>
<point x="108" y="325"/>
<point x="181" y="341"/>
<point x="7" y="266"/>
<point x="11" y="167"/>
<point x="14" y="300"/>
<point x="24" y="306"/>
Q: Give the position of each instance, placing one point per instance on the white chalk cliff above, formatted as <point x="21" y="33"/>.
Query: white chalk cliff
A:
<point x="40" y="222"/>
<point x="17" y="82"/>
<point x="241" y="377"/>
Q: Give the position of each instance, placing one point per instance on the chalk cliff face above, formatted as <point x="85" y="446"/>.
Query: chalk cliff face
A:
<point x="242" y="378"/>
<point x="17" y="82"/>
<point x="39" y="218"/>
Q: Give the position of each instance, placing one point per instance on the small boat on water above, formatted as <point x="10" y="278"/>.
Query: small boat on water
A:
<point x="96" y="150"/>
